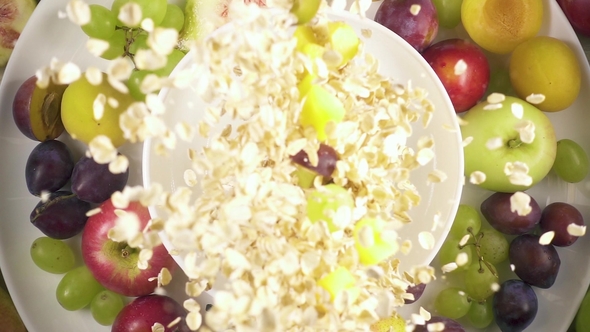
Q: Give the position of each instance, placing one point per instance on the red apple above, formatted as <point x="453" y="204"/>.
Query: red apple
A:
<point x="114" y="264"/>
<point x="145" y="311"/>
<point x="463" y="70"/>
<point x="578" y="13"/>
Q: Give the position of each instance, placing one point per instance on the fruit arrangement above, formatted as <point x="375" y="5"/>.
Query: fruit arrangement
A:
<point x="101" y="121"/>
<point x="101" y="110"/>
<point x="75" y="193"/>
<point x="502" y="249"/>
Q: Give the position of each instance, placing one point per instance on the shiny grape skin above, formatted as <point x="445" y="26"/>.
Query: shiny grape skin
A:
<point x="327" y="158"/>
<point x="497" y="211"/>
<point x="62" y="216"/>
<point x="417" y="290"/>
<point x="94" y="183"/>
<point x="534" y="263"/>
<point x="515" y="306"/>
<point x="417" y="29"/>
<point x="49" y="167"/>
<point x="450" y="325"/>
<point x="556" y="217"/>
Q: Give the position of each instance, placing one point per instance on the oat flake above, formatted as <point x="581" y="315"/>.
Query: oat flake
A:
<point x="576" y="230"/>
<point x="535" y="98"/>
<point x="546" y="238"/>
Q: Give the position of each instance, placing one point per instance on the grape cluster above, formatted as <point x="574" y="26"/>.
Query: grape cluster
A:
<point x="477" y="251"/>
<point x="129" y="39"/>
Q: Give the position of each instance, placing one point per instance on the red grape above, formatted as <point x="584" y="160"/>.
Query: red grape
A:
<point x="557" y="217"/>
<point x="415" y="21"/>
<point x="62" y="216"/>
<point x="449" y="325"/>
<point x="497" y="211"/>
<point x="416" y="290"/>
<point x="535" y="263"/>
<point x="48" y="167"/>
<point x="515" y="305"/>
<point x="327" y="158"/>
<point x="93" y="182"/>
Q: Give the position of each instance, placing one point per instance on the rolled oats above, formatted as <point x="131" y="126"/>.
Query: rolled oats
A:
<point x="251" y="227"/>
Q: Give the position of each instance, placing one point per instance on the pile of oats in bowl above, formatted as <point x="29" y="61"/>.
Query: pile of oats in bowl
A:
<point x="250" y="228"/>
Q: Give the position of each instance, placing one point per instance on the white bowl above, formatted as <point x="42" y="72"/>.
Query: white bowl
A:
<point x="399" y="61"/>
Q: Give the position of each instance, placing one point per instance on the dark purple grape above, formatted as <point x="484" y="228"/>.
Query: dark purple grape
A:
<point x="327" y="158"/>
<point x="515" y="306"/>
<point x="62" y="216"/>
<point x="93" y="182"/>
<point x="48" y="167"/>
<point x="497" y="211"/>
<point x="557" y="217"/>
<point x="416" y="290"/>
<point x="534" y="263"/>
<point x="417" y="27"/>
<point x="449" y="325"/>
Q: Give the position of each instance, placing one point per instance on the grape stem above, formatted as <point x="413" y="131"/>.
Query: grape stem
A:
<point x="130" y="35"/>
<point x="477" y="245"/>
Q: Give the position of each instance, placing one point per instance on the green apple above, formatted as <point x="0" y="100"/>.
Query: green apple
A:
<point x="508" y="132"/>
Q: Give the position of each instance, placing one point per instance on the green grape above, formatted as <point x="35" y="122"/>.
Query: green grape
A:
<point x="305" y="10"/>
<point x="500" y="83"/>
<point x="450" y="250"/>
<point x="154" y="9"/>
<point x="571" y="161"/>
<point x="173" y="59"/>
<point x="139" y="43"/>
<point x="134" y="84"/>
<point x="448" y="12"/>
<point x="105" y="307"/>
<point x="481" y="314"/>
<point x="174" y="18"/>
<point x="102" y="22"/>
<point x="305" y="177"/>
<point x="480" y="281"/>
<point x="117" y="44"/>
<point x="452" y="303"/>
<point x="52" y="255"/>
<point x="466" y="217"/>
<point x="493" y="246"/>
<point x="323" y="202"/>
<point x="319" y="108"/>
<point x="77" y="288"/>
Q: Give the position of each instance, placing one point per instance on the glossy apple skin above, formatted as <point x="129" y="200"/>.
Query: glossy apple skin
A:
<point x="114" y="264"/>
<point x="483" y="125"/>
<point x="578" y="13"/>
<point x="465" y="86"/>
<point x="143" y="312"/>
<point x="418" y="30"/>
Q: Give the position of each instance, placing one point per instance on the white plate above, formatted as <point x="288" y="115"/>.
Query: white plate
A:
<point x="33" y="290"/>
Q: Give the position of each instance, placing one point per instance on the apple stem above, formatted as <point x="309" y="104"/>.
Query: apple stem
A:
<point x="514" y="143"/>
<point x="125" y="252"/>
